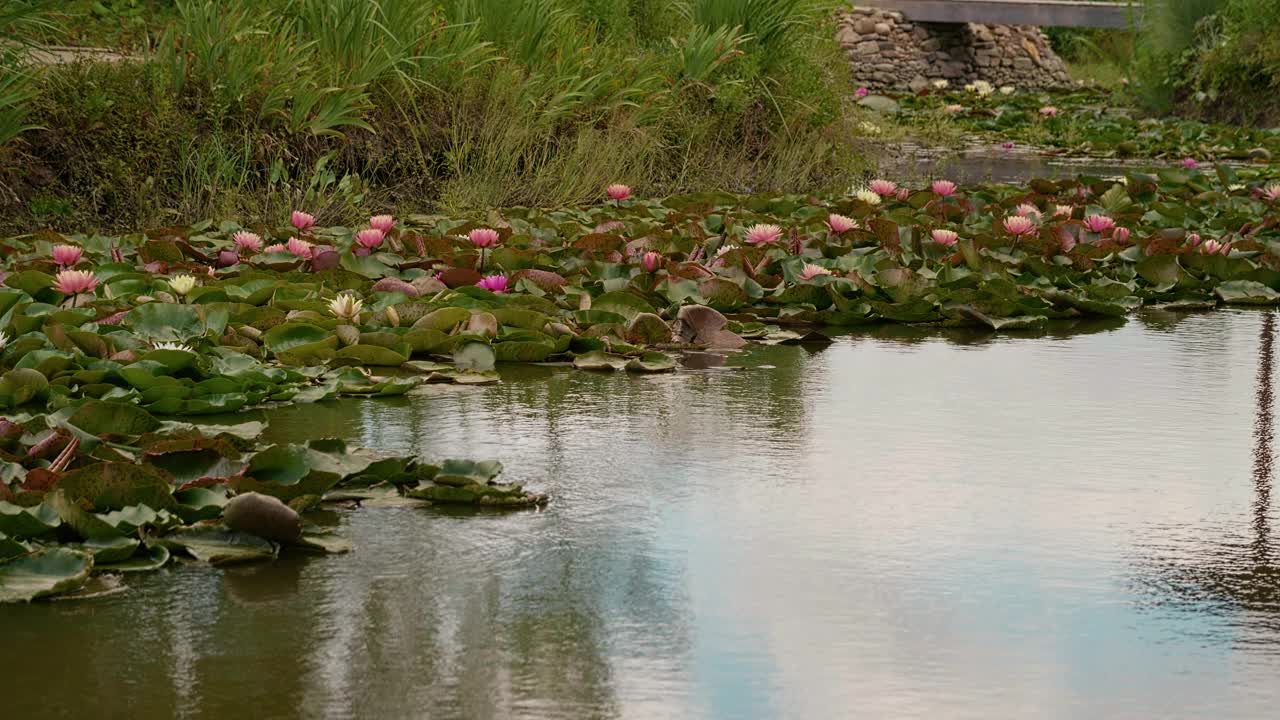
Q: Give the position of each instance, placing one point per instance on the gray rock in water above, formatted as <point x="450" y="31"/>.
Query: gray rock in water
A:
<point x="264" y="516"/>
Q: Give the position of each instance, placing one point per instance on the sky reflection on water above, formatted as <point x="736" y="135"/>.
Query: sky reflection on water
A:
<point x="903" y="524"/>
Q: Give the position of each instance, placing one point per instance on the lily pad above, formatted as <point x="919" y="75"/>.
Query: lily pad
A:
<point x="21" y="386"/>
<point x="220" y="545"/>
<point x="323" y="541"/>
<point x="98" y="417"/>
<point x="27" y="522"/>
<point x="292" y="335"/>
<point x="110" y="549"/>
<point x="475" y="356"/>
<point x="465" y="472"/>
<point x="152" y="558"/>
<point x="169" y="322"/>
<point x="43" y="573"/>
<point x="652" y="362"/>
<point x="113" y="485"/>
<point x="1246" y="292"/>
<point x="600" y="360"/>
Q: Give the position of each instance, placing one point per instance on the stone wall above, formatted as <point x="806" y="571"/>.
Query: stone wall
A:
<point x="889" y="52"/>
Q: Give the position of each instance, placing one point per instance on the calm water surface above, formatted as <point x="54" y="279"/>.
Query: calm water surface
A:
<point x="897" y="526"/>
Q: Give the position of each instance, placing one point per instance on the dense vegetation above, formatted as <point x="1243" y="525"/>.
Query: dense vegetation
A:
<point x="101" y="337"/>
<point x="1083" y="123"/>
<point x="245" y="107"/>
<point x="1219" y="59"/>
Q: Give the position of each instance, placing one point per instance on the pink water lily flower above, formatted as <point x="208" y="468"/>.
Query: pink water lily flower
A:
<point x="862" y="92"/>
<point x="74" y="282"/>
<point x="618" y="191"/>
<point x="1027" y="210"/>
<point x="1272" y="192"/>
<point x="943" y="188"/>
<point x="483" y="237"/>
<point x="763" y="234"/>
<point x="1049" y="111"/>
<point x="302" y="221"/>
<point x="493" y="283"/>
<point x="246" y="240"/>
<point x="883" y="188"/>
<point x="384" y="223"/>
<point x="1063" y="211"/>
<point x="1121" y="234"/>
<point x="1212" y="247"/>
<point x="370" y="238"/>
<point x="1007" y="145"/>
<point x="1018" y="225"/>
<point x="1193" y="239"/>
<point x="275" y="248"/>
<point x="651" y="261"/>
<point x="903" y="194"/>
<point x="66" y="255"/>
<point x="301" y="248"/>
<point x="946" y="238"/>
<point x="1190" y="163"/>
<point x="840" y="224"/>
<point x="811" y="271"/>
<point x="1098" y="223"/>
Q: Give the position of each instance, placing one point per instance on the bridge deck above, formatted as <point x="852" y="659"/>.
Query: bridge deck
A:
<point x="1058" y="13"/>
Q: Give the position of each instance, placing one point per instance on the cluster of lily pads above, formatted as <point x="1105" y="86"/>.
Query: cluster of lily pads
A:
<point x="1086" y="123"/>
<point x="100" y="337"/>
<point x="215" y="318"/>
<point x="101" y="489"/>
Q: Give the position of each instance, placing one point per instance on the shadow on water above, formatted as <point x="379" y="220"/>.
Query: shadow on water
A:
<point x="905" y="334"/>
<point x="1238" y="576"/>
<point x="981" y="162"/>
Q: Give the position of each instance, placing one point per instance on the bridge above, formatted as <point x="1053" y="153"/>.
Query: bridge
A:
<point x="1047" y="13"/>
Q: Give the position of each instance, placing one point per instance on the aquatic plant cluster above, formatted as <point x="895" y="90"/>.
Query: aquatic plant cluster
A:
<point x="1083" y="123"/>
<point x="104" y="336"/>
<point x="105" y="488"/>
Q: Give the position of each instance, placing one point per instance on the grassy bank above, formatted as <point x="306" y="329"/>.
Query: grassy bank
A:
<point x="247" y="109"/>
<point x="1216" y="59"/>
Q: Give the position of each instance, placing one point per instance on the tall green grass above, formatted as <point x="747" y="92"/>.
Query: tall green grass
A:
<point x="19" y="21"/>
<point x="251" y="105"/>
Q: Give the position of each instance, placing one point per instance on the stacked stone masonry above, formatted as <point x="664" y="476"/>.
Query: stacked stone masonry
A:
<point x="889" y="52"/>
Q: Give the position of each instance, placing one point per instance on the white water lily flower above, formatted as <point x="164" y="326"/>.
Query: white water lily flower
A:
<point x="1008" y="90"/>
<point x="982" y="87"/>
<point x="171" y="346"/>
<point x="4" y="340"/>
<point x="182" y="284"/>
<point x="346" y="306"/>
<point x="867" y="196"/>
<point x="940" y="84"/>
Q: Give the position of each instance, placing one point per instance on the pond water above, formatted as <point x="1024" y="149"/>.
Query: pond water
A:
<point x="902" y="524"/>
<point x="979" y="162"/>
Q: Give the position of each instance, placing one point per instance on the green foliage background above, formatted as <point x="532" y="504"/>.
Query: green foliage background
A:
<point x="246" y="108"/>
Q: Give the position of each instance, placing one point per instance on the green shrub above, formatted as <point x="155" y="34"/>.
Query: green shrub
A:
<point x="1212" y="58"/>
